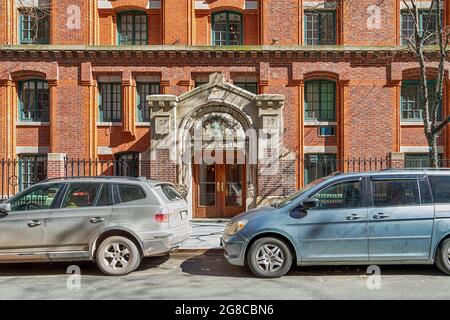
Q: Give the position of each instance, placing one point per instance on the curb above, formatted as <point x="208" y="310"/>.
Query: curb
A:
<point x="197" y="250"/>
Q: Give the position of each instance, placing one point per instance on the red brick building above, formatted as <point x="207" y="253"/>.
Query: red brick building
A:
<point x="111" y="80"/>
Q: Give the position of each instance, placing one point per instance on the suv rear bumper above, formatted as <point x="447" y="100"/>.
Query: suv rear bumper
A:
<point x="166" y="241"/>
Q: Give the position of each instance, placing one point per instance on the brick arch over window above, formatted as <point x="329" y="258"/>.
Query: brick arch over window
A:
<point x="23" y="75"/>
<point x="321" y="75"/>
<point x="414" y="74"/>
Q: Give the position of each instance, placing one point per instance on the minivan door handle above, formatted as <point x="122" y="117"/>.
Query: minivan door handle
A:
<point x="96" y="220"/>
<point x="354" y="217"/>
<point x="380" y="216"/>
<point x="35" y="223"/>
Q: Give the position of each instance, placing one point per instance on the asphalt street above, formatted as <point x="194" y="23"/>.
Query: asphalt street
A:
<point x="208" y="276"/>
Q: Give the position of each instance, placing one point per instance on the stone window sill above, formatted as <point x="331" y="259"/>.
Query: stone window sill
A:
<point x="32" y="124"/>
<point x="319" y="123"/>
<point x="142" y="124"/>
<point x="109" y="124"/>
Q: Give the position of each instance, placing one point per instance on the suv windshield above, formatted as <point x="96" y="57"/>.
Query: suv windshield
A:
<point x="308" y="187"/>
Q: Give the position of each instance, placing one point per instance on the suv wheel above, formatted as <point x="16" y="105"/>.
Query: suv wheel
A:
<point x="118" y="256"/>
<point x="269" y="258"/>
<point x="443" y="257"/>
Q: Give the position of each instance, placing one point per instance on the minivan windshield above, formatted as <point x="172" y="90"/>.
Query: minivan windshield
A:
<point x="305" y="189"/>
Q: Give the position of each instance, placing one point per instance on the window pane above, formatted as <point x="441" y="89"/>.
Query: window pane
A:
<point x="249" y="86"/>
<point x="38" y="198"/>
<point x="320" y="101"/>
<point x="33" y="169"/>
<point x="343" y="195"/>
<point x="440" y="187"/>
<point x="227" y="29"/>
<point x="127" y="165"/>
<point x="171" y="193"/>
<point x="130" y="193"/>
<point x="35" y="26"/>
<point x="81" y="195"/>
<point x="395" y="193"/>
<point x="105" y="197"/>
<point x="133" y="28"/>
<point x="318" y="166"/>
<point x="143" y="91"/>
<point x="34" y="100"/>
<point x="320" y="28"/>
<point x="110" y="105"/>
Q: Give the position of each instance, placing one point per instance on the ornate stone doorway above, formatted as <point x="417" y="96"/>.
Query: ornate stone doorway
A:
<point x="214" y="138"/>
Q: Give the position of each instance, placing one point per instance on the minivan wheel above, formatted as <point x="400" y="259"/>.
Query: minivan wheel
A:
<point x="443" y="257"/>
<point x="118" y="256"/>
<point x="269" y="258"/>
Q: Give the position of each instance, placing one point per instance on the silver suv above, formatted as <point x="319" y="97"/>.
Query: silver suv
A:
<point x="111" y="220"/>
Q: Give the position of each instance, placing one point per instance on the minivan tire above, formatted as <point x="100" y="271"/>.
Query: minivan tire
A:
<point x="272" y="250"/>
<point x="442" y="257"/>
<point x="118" y="256"/>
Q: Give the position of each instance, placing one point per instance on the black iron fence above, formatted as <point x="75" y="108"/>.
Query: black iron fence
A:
<point x="17" y="175"/>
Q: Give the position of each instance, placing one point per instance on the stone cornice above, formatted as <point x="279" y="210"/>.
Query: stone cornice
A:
<point x="230" y="52"/>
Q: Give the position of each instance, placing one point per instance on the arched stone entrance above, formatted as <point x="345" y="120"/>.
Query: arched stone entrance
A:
<point x="215" y="138"/>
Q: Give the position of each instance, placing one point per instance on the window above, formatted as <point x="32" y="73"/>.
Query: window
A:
<point x="227" y="28"/>
<point x="440" y="187"/>
<point x="407" y="24"/>
<point x="418" y="160"/>
<point x="411" y="101"/>
<point x="327" y="131"/>
<point x="105" y="197"/>
<point x="320" y="100"/>
<point x="130" y="193"/>
<point x="37" y="198"/>
<point x="132" y="28"/>
<point x="320" y="28"/>
<point x="395" y="193"/>
<point x="34" y="26"/>
<point x="34" y="101"/>
<point x="249" y="86"/>
<point x="32" y="169"/>
<point x="200" y="79"/>
<point x="81" y="195"/>
<point x="110" y="102"/>
<point x="170" y="193"/>
<point x="318" y="166"/>
<point x="144" y="90"/>
<point x="340" y="196"/>
<point x="127" y="165"/>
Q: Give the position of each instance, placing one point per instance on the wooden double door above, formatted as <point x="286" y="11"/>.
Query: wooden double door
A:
<point x="219" y="190"/>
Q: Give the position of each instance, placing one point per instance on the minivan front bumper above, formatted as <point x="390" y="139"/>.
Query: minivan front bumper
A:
<point x="166" y="241"/>
<point x="234" y="249"/>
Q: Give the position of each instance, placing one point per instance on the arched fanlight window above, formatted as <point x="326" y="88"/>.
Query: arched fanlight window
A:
<point x="227" y="28"/>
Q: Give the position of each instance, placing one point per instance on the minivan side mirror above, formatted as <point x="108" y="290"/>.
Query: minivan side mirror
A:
<point x="310" y="203"/>
<point x="5" y="208"/>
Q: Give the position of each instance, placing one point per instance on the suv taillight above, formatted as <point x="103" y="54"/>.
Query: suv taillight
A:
<point x="161" y="217"/>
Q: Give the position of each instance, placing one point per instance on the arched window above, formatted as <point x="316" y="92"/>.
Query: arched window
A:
<point x="34" y="101"/>
<point x="132" y="28"/>
<point x="320" y="100"/>
<point x="227" y="28"/>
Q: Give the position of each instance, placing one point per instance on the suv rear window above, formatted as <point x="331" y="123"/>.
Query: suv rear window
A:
<point x="170" y="193"/>
<point x="130" y="193"/>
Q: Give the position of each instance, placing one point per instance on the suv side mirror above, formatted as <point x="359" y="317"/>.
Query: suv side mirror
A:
<point x="310" y="203"/>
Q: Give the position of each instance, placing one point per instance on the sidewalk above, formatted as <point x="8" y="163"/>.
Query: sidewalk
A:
<point x="205" y="236"/>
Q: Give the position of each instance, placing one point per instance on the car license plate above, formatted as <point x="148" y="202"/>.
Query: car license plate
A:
<point x="183" y="214"/>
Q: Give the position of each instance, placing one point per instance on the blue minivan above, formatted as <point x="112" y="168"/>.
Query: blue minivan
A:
<point x="386" y="217"/>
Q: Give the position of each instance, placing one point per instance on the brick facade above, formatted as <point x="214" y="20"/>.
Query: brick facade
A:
<point x="368" y="68"/>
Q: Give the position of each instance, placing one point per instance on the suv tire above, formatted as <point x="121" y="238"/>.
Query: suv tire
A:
<point x="118" y="256"/>
<point x="269" y="258"/>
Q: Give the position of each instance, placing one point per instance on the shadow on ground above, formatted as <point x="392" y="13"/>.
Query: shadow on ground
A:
<point x="212" y="263"/>
<point x="60" y="268"/>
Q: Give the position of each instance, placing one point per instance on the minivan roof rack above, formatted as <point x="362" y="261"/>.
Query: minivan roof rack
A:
<point x="417" y="169"/>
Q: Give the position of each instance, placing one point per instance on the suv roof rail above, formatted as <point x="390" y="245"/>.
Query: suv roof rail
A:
<point x="95" y="177"/>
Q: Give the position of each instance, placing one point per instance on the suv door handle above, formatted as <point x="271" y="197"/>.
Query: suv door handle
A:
<point x="354" y="217"/>
<point x="96" y="220"/>
<point x="35" y="223"/>
<point x="380" y="216"/>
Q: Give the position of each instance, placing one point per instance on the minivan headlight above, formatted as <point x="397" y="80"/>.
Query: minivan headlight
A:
<point x="236" y="227"/>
